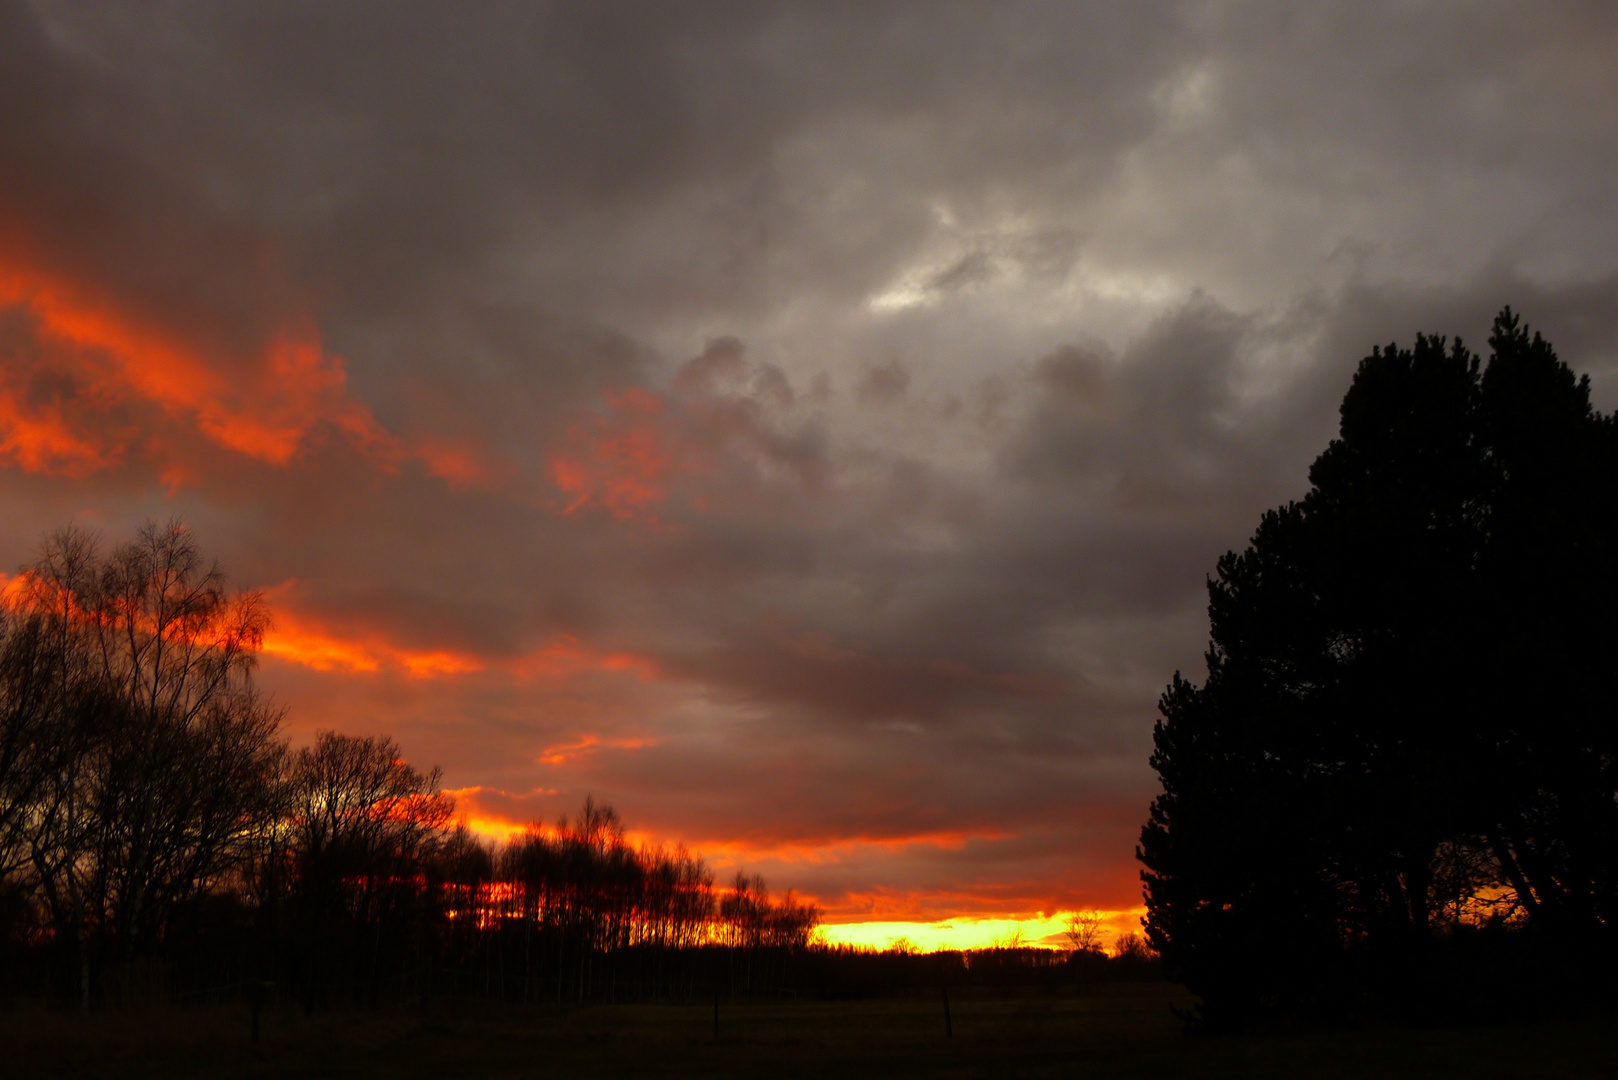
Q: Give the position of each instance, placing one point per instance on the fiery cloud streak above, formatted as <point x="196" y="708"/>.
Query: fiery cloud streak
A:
<point x="271" y="406"/>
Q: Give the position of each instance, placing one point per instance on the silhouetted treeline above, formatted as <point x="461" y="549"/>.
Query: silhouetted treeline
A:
<point x="159" y="837"/>
<point x="848" y="972"/>
<point x="1398" y="788"/>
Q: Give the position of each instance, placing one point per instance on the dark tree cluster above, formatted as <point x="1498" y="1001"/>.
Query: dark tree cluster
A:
<point x="159" y="836"/>
<point x="1005" y="970"/>
<point x="1396" y="788"/>
<point x="575" y="912"/>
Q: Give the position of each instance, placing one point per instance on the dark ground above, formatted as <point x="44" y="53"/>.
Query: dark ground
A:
<point x="1120" y="1031"/>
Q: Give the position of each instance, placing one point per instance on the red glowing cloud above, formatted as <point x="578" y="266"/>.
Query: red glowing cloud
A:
<point x="269" y="407"/>
<point x="565" y="655"/>
<point x="300" y="637"/>
<point x="305" y="642"/>
<point x="619" y="463"/>
<point x="564" y="753"/>
<point x="38" y="438"/>
<point x="826" y="849"/>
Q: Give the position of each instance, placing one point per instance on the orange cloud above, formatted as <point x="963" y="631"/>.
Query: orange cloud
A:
<point x="302" y="638"/>
<point x="39" y="439"/>
<point x="304" y="641"/>
<point x="588" y="744"/>
<point x="619" y="463"/>
<point x="12" y="587"/>
<point x="488" y="822"/>
<point x="460" y="464"/>
<point x="565" y="655"/>
<point x="834" y="849"/>
<point x="266" y="416"/>
<point x="268" y="407"/>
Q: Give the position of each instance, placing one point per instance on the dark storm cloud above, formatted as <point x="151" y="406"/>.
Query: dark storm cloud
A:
<point x="395" y="152"/>
<point x="805" y="425"/>
<point x="884" y="383"/>
<point x="1579" y="317"/>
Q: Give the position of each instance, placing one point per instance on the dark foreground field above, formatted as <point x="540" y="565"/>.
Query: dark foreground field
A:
<point x="1123" y="1031"/>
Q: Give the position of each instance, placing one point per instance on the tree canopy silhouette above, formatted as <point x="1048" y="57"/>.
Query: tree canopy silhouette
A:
<point x="1404" y="755"/>
<point x="158" y="836"/>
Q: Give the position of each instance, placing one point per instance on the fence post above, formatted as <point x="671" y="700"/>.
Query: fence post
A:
<point x="255" y="1000"/>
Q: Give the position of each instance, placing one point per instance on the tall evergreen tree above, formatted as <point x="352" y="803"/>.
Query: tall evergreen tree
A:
<point x="1406" y="733"/>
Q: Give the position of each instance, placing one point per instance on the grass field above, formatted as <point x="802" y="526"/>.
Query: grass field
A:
<point x="1125" y="1031"/>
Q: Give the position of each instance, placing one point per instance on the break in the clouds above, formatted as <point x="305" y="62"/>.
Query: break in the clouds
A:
<point x="806" y="427"/>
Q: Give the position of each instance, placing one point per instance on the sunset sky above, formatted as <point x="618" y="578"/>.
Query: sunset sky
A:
<point x="805" y="427"/>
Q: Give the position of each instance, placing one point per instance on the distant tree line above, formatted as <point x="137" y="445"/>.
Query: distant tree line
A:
<point x="159" y="836"/>
<point x="1397" y="788"/>
<point x="849" y="972"/>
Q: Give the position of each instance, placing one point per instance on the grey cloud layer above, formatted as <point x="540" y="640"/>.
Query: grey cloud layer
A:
<point x="978" y="332"/>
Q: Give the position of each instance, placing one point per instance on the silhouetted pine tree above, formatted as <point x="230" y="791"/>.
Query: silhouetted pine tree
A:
<point x="1406" y="735"/>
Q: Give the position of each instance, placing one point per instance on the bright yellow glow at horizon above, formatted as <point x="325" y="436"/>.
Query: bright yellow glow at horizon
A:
<point x="1047" y="930"/>
<point x="1040" y="931"/>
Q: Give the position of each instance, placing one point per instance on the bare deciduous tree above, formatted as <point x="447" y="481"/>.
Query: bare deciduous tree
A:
<point x="1083" y="931"/>
<point x="144" y="783"/>
<point x="163" y="752"/>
